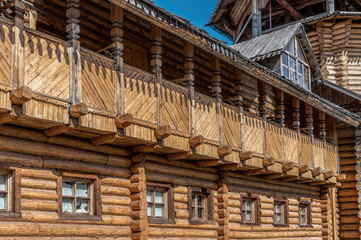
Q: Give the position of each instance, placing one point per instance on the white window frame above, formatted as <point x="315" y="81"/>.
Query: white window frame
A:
<point x="297" y="59"/>
<point x="74" y="197"/>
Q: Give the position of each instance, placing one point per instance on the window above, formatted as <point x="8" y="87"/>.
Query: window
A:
<point x="5" y="186"/>
<point x="294" y="65"/>
<point x="250" y="209"/>
<point x="79" y="196"/>
<point x="160" y="207"/>
<point x="305" y="213"/>
<point x="280" y="212"/>
<point x="200" y="205"/>
<point x="76" y="196"/>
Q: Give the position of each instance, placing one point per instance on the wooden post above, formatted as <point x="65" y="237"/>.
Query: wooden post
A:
<point x="117" y="38"/>
<point x="296" y="114"/>
<point x="73" y="30"/>
<point x="189" y="74"/>
<point x="322" y="118"/>
<point x="138" y="189"/>
<point x="17" y="63"/>
<point x="217" y="92"/>
<point x="239" y="103"/>
<point x="156" y="65"/>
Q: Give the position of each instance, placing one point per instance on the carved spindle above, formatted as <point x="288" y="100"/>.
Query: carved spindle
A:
<point x="309" y="119"/>
<point x="296" y="114"/>
<point x="156" y="65"/>
<point x="216" y="79"/>
<point x="72" y="13"/>
<point x="281" y="108"/>
<point x="238" y="88"/>
<point x="322" y="123"/>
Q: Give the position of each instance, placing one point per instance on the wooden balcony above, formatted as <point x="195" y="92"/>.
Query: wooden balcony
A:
<point x="226" y="136"/>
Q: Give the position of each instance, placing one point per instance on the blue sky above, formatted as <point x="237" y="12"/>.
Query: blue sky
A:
<point x="196" y="11"/>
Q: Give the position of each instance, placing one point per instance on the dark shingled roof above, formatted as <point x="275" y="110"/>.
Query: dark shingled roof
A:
<point x="267" y="45"/>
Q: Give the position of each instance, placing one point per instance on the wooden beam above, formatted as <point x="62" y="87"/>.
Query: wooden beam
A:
<point x="21" y="95"/>
<point x="145" y="148"/>
<point x="224" y="150"/>
<point x="274" y="176"/>
<point x="178" y="156"/>
<point x="124" y="120"/>
<point x="162" y="132"/>
<point x="7" y="117"/>
<point x="78" y="110"/>
<point x="196" y="141"/>
<point x="209" y="163"/>
<point x="289" y="8"/>
<point x="229" y="167"/>
<point x="255" y="172"/>
<point x="104" y="139"/>
<point x="287" y="166"/>
<point x="57" y="130"/>
<point x="269" y="161"/>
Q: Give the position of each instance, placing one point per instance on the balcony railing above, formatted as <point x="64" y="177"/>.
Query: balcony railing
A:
<point x="48" y="73"/>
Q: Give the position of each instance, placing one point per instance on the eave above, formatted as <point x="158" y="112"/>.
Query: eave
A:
<point x="228" y="55"/>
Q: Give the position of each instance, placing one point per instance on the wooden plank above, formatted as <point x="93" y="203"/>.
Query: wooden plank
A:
<point x="5" y="53"/>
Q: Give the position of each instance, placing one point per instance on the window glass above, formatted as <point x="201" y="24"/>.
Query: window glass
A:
<point x="67" y="205"/>
<point x="248" y="210"/>
<point x="293" y="64"/>
<point x="279" y="212"/>
<point x="3" y="183"/>
<point x="67" y="188"/>
<point x="304" y="218"/>
<point x="82" y="190"/>
<point x="76" y="197"/>
<point x="198" y="206"/>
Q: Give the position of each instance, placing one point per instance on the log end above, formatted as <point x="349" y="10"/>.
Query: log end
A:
<point x="269" y="161"/>
<point x="163" y="132"/>
<point x="103" y="139"/>
<point x="224" y="150"/>
<point x="196" y="141"/>
<point x="341" y="177"/>
<point x="288" y="166"/>
<point x="78" y="110"/>
<point x="303" y="168"/>
<point x="124" y="120"/>
<point x="21" y="95"/>
<point x="245" y="156"/>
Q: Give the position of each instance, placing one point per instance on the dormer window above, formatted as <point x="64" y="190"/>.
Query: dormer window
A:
<point x="294" y="65"/>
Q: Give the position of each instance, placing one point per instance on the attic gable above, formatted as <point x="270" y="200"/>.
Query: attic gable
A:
<point x="267" y="49"/>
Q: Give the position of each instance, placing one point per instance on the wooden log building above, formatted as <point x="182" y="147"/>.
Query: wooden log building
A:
<point x="120" y="120"/>
<point x="332" y="29"/>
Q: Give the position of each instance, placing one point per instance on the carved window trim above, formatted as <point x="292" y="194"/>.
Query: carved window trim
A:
<point x="284" y="202"/>
<point x="307" y="206"/>
<point x="170" y="213"/>
<point x="14" y="192"/>
<point x="95" y="198"/>
<point x="209" y="208"/>
<point x="256" y="208"/>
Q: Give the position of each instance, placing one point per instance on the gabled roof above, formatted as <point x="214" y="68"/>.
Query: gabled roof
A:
<point x="271" y="43"/>
<point x="267" y="45"/>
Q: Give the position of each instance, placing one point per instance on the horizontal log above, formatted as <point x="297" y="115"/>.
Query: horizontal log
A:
<point x="38" y="183"/>
<point x="31" y="193"/>
<point x="57" y="130"/>
<point x="116" y="182"/>
<point x="117" y="191"/>
<point x="185" y="181"/>
<point x="184" y="233"/>
<point x="103" y="139"/>
<point x="32" y="135"/>
<point x="39" y="174"/>
<point x="116" y="210"/>
<point x="21" y="159"/>
<point x="7" y="117"/>
<point x="179" y="171"/>
<point x="88" y="167"/>
<point x="36" y="205"/>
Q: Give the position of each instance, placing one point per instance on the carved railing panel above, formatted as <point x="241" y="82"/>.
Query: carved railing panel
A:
<point x="274" y="141"/>
<point x="254" y="134"/>
<point x="231" y="126"/>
